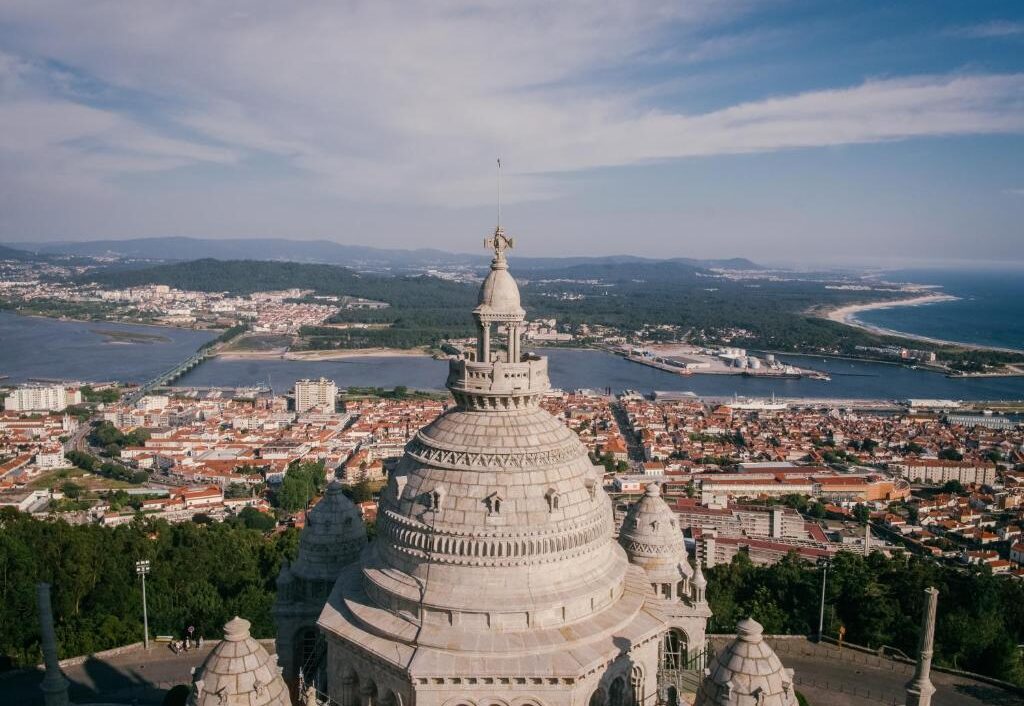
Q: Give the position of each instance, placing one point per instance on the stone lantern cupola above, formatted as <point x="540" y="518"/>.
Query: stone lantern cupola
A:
<point x="496" y="376"/>
<point x="652" y="538"/>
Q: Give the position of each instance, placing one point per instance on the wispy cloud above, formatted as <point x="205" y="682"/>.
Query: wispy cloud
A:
<point x="401" y="102"/>
<point x="1014" y="192"/>
<point x="991" y="30"/>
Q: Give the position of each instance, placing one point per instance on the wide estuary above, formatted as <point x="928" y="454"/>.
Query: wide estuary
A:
<point x="37" y="348"/>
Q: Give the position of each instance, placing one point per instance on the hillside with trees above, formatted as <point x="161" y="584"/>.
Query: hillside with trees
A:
<point x="762" y="314"/>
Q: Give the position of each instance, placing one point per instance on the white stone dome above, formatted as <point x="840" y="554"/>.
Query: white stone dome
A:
<point x="653" y="539"/>
<point x="499" y="295"/>
<point x="747" y="673"/>
<point x="508" y="500"/>
<point x="239" y="672"/>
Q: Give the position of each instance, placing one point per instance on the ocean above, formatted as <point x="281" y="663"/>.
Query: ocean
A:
<point x="990" y="310"/>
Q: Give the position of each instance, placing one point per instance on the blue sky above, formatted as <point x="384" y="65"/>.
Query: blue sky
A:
<point x="801" y="132"/>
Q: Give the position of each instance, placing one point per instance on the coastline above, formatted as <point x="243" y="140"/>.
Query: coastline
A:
<point x="847" y="315"/>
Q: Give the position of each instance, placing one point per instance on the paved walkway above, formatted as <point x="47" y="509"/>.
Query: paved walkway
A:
<point x="136" y="676"/>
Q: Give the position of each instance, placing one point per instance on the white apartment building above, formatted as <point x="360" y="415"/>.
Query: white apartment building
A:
<point x="315" y="393"/>
<point x="50" y="459"/>
<point x="938" y="471"/>
<point x="42" y="398"/>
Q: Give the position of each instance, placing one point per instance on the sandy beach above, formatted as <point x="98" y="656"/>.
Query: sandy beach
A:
<point x="847" y="315"/>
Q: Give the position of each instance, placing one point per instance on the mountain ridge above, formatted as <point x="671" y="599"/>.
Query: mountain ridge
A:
<point x="183" y="248"/>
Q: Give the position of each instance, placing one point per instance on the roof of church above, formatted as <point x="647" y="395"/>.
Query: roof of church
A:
<point x="747" y="667"/>
<point x="239" y="672"/>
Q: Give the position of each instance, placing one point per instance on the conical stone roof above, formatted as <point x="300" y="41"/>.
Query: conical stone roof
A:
<point x="333" y="537"/>
<point x="653" y="539"/>
<point x="239" y="672"/>
<point x="747" y="673"/>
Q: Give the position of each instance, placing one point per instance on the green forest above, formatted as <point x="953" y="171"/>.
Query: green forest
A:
<point x="761" y="314"/>
<point x="202" y="575"/>
<point x="879" y="602"/>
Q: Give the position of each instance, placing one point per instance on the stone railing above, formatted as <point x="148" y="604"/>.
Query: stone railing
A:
<point x="498" y="385"/>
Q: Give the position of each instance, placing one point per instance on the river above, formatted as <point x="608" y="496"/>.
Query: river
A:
<point x="32" y="347"/>
<point x="574" y="369"/>
<point x="90" y="351"/>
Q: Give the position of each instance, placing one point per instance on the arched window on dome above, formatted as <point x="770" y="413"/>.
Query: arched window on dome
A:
<point x="552" y="497"/>
<point x="493" y="502"/>
<point x="674" y="648"/>
<point x="617" y="692"/>
<point x="636" y="682"/>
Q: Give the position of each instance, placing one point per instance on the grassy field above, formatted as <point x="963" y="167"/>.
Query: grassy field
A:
<point x="90" y="481"/>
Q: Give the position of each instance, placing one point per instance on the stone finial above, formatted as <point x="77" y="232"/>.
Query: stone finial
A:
<point x="749" y="630"/>
<point x="237" y="629"/>
<point x="698" y="576"/>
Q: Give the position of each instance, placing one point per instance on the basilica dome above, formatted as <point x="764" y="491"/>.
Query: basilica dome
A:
<point x="495" y="567"/>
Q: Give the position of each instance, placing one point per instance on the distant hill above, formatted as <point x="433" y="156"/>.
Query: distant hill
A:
<point x="9" y="253"/>
<point x="325" y="251"/>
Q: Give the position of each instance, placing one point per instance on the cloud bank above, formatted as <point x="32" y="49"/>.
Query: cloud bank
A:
<point x="408" y="103"/>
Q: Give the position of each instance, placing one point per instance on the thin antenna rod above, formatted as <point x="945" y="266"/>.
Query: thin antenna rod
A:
<point x="499" y="192"/>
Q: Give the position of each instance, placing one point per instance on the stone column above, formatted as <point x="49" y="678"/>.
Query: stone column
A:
<point x="920" y="688"/>
<point x="54" y="686"/>
<point x="485" y="343"/>
<point x="867" y="538"/>
<point x="513" y="343"/>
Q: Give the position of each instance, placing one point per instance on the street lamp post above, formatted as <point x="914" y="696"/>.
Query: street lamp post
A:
<point x="142" y="568"/>
<point x="821" y="614"/>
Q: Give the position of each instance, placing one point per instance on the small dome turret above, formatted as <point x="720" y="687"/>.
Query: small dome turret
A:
<point x="239" y="671"/>
<point x="653" y="539"/>
<point x="333" y="537"/>
<point x="747" y="673"/>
